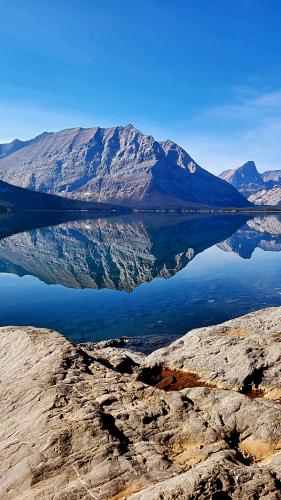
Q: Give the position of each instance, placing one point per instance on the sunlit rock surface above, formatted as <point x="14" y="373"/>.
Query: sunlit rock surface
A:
<point x="198" y="419"/>
<point x="118" y="164"/>
<point x="270" y="196"/>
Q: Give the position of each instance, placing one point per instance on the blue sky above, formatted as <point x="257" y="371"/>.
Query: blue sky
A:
<point x="205" y="73"/>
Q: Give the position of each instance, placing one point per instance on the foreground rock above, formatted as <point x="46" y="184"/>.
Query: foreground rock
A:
<point x="198" y="419"/>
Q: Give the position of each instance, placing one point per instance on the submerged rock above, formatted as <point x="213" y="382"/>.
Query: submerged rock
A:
<point x="200" y="418"/>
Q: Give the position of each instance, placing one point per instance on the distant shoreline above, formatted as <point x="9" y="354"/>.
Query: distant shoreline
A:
<point x="176" y="211"/>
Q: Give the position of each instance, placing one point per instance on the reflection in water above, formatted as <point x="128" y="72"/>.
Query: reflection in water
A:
<point x="117" y="253"/>
<point x="96" y="261"/>
<point x="261" y="232"/>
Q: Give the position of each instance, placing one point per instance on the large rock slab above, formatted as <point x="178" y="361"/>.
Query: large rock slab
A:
<point x="243" y="354"/>
<point x="90" y="422"/>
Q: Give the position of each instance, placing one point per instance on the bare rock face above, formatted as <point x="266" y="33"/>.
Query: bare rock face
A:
<point x="271" y="177"/>
<point x="11" y="147"/>
<point x="270" y="196"/>
<point x="242" y="354"/>
<point x="119" y="165"/>
<point x="260" y="189"/>
<point x="245" y="178"/>
<point x="199" y="419"/>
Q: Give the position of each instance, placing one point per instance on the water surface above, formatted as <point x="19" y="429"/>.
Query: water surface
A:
<point x="136" y="275"/>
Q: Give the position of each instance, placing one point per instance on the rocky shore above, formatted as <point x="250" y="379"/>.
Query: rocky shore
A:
<point x="198" y="419"/>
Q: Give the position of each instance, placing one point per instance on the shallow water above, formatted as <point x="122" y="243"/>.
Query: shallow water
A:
<point x="155" y="276"/>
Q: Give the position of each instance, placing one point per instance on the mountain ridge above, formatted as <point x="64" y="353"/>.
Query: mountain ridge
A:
<point x="259" y="188"/>
<point x="117" y="165"/>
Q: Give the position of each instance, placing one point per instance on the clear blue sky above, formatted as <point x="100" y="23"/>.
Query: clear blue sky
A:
<point x="206" y="73"/>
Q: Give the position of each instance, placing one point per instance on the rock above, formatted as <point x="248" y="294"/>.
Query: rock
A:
<point x="9" y="148"/>
<point x="119" y="165"/>
<point x="243" y="354"/>
<point x="75" y="425"/>
<point x="271" y="177"/>
<point x="271" y="196"/>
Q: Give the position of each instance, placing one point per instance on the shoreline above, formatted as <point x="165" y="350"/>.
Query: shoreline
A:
<point x="212" y="211"/>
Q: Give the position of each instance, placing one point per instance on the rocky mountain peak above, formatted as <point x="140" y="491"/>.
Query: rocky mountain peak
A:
<point x="118" y="164"/>
<point x="249" y="168"/>
<point x="255" y="186"/>
<point x="245" y="178"/>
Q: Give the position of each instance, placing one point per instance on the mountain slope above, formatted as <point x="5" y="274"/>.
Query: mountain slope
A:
<point x="18" y="198"/>
<point x="260" y="189"/>
<point x="270" y="196"/>
<point x="246" y="179"/>
<point x="9" y="148"/>
<point x="118" y="165"/>
<point x="271" y="177"/>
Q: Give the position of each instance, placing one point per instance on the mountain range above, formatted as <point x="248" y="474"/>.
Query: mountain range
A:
<point x="114" y="165"/>
<point x="117" y="252"/>
<point x="262" y="232"/>
<point x="122" y="252"/>
<point x="260" y="189"/>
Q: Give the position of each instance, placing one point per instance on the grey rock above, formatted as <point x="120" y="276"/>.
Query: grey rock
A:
<point x="271" y="196"/>
<point x="240" y="354"/>
<point x="117" y="165"/>
<point x="11" y="147"/>
<point x="74" y="426"/>
<point x="271" y="177"/>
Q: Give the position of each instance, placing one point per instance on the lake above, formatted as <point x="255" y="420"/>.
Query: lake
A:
<point x="144" y="275"/>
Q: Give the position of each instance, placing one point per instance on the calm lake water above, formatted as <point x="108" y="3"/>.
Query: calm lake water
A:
<point x="136" y="275"/>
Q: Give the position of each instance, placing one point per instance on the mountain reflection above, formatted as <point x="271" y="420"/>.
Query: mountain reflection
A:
<point x="117" y="252"/>
<point x="262" y="232"/>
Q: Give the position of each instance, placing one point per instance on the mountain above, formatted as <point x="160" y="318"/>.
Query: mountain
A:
<point x="260" y="189"/>
<point x="246" y="179"/>
<point x="9" y="148"/>
<point x="271" y="196"/>
<point x="118" y="253"/>
<point x="271" y="177"/>
<point x="17" y="198"/>
<point x="117" y="165"/>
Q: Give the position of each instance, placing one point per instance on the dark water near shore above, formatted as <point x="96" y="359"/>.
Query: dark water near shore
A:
<point x="155" y="276"/>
